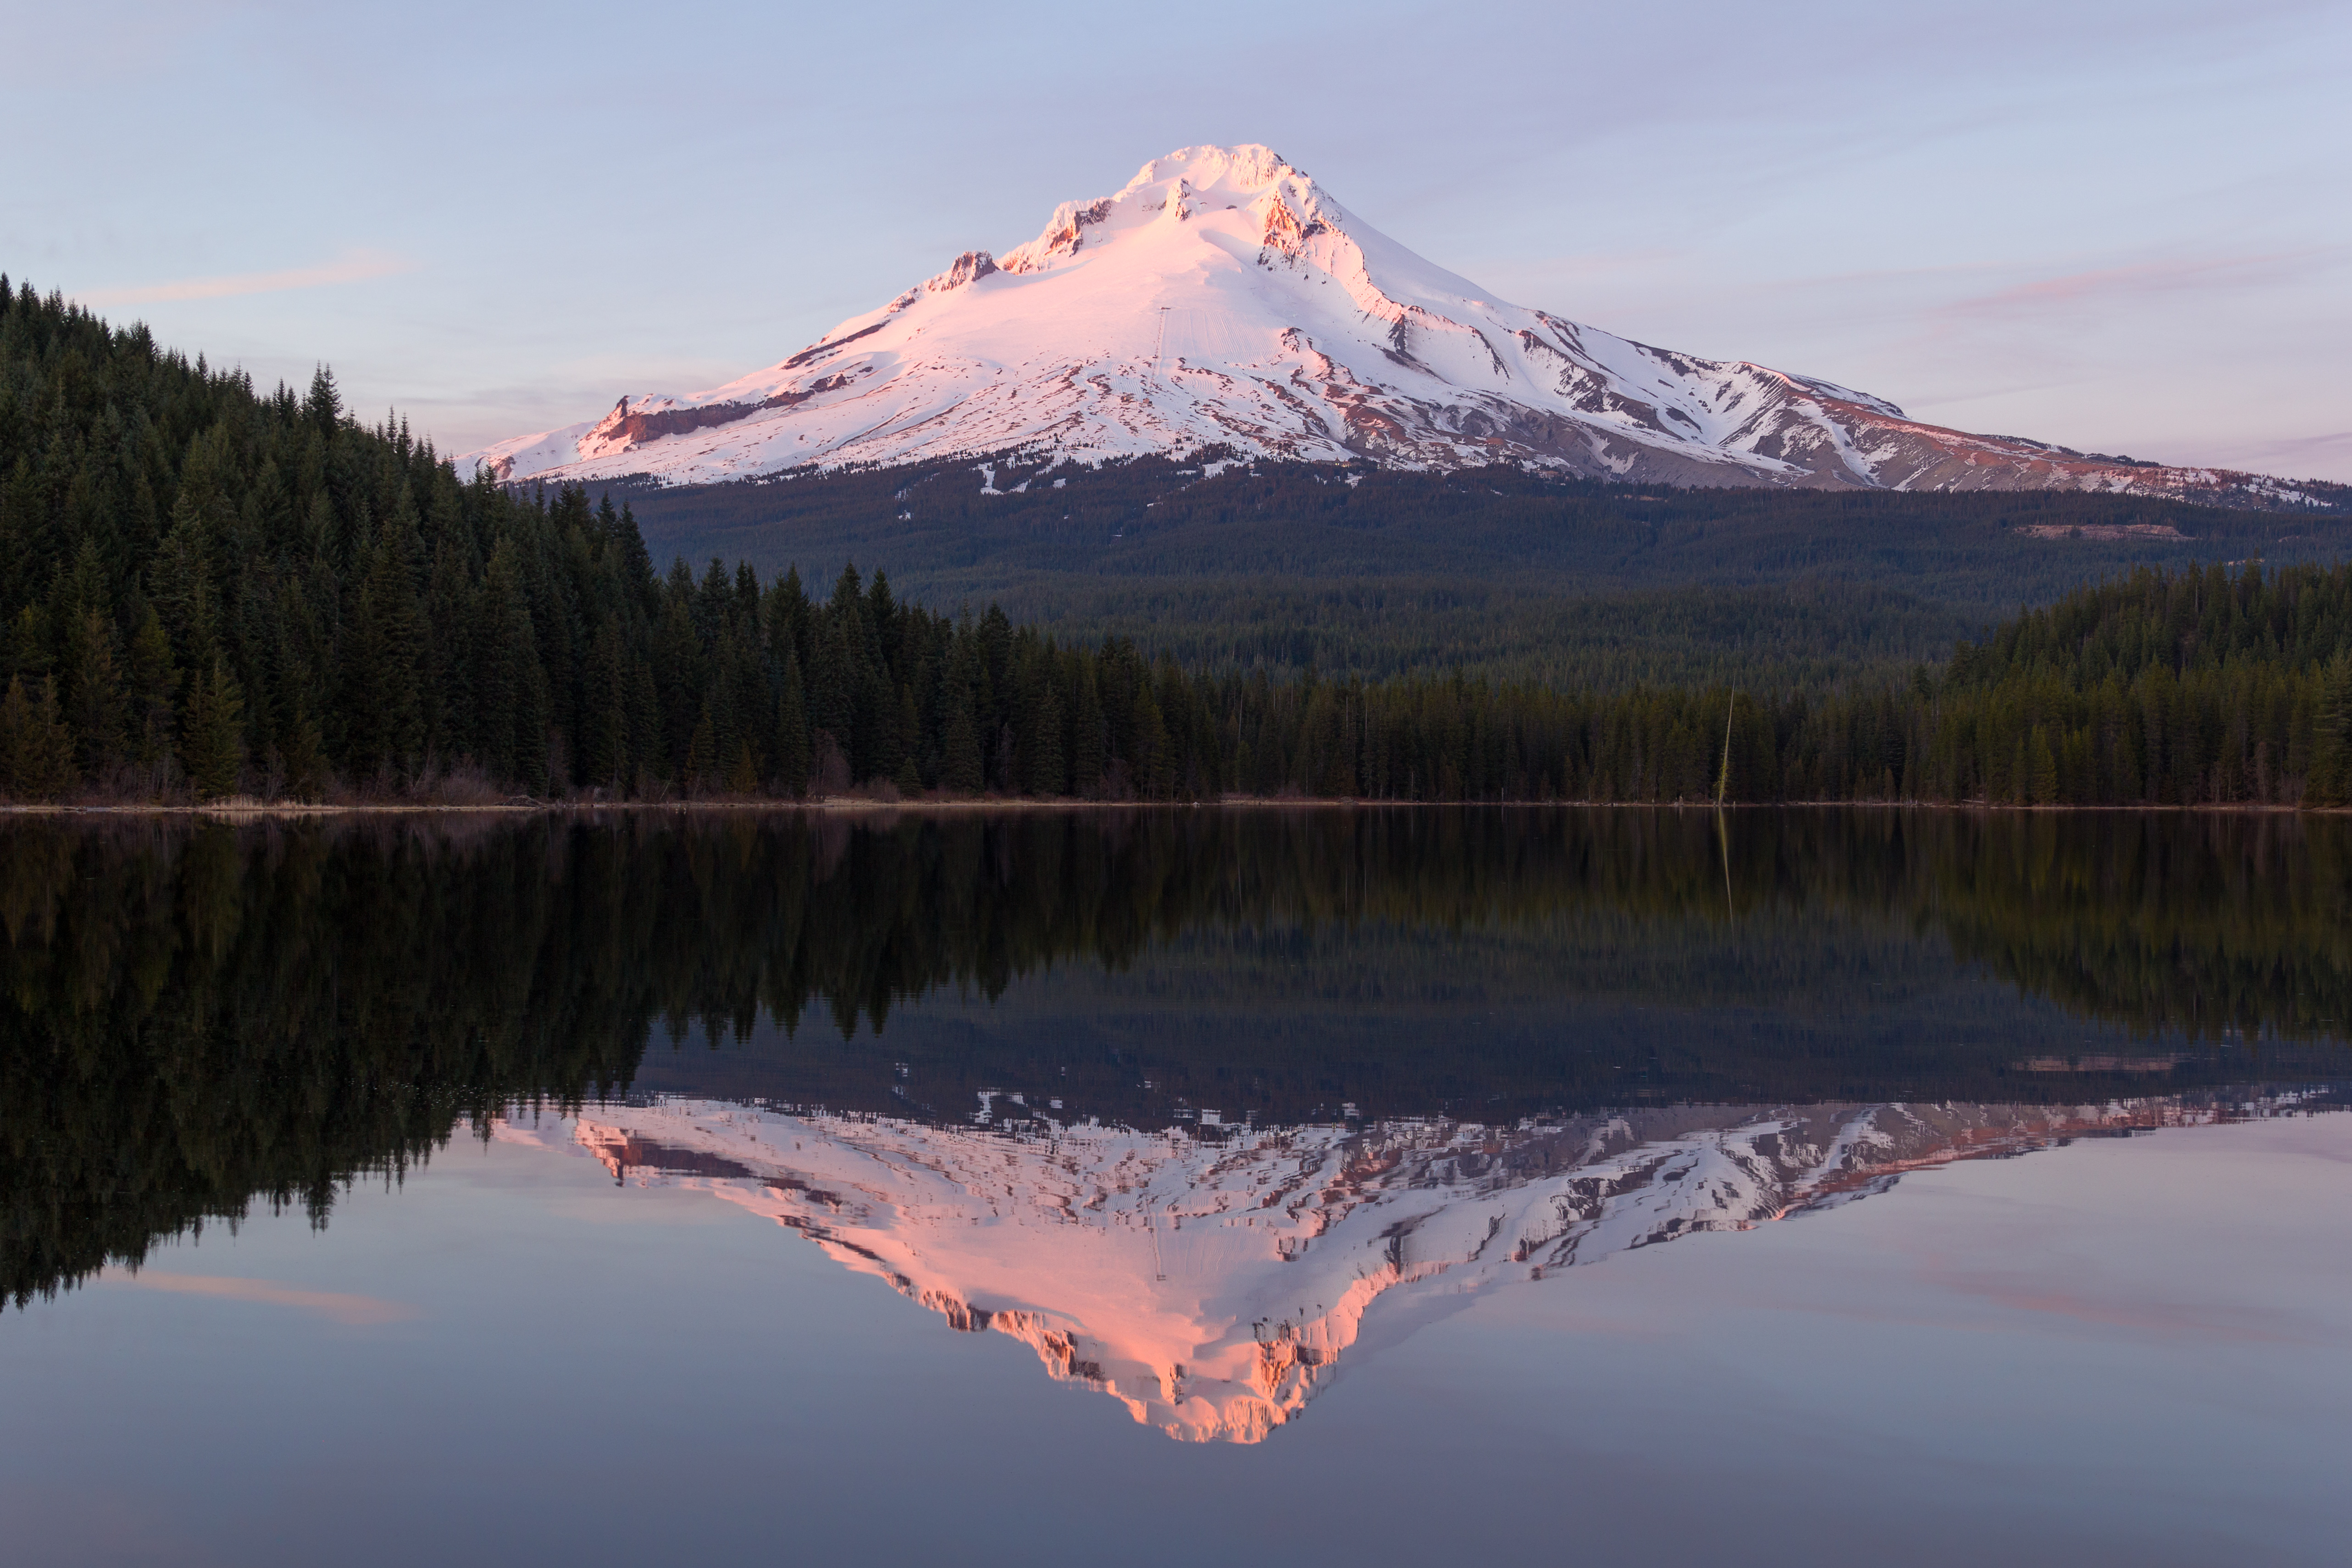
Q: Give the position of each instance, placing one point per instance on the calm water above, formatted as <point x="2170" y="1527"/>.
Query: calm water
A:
<point x="1277" y="1186"/>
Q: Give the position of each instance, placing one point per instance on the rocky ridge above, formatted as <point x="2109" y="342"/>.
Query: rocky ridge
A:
<point x="1223" y="300"/>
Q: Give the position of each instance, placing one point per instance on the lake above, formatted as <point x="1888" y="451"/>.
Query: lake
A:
<point x="1301" y="1185"/>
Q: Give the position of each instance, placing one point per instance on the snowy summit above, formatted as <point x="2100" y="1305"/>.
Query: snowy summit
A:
<point x="1223" y="298"/>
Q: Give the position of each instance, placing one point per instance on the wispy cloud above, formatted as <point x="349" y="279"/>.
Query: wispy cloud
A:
<point x="2140" y="280"/>
<point x="1596" y="263"/>
<point x="352" y="267"/>
<point x="352" y="1311"/>
<point x="2328" y="457"/>
<point x="2335" y="445"/>
<point x="2028" y="1294"/>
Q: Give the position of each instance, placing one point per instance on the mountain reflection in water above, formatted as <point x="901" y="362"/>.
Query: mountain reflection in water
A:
<point x="1209" y="1280"/>
<point x="1445" y="1044"/>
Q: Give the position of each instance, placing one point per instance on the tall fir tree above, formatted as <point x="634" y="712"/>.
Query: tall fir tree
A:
<point x="153" y="691"/>
<point x="36" y="748"/>
<point x="961" y="767"/>
<point x="1047" y="774"/>
<point x="385" y="721"/>
<point x="792" y="731"/>
<point x="94" y="696"/>
<point x="2042" y="765"/>
<point x="213" y="734"/>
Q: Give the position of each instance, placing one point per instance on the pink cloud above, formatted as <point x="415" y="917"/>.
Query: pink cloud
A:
<point x="352" y="1311"/>
<point x="352" y="267"/>
<point x="2022" y="1293"/>
<point x="2118" y="283"/>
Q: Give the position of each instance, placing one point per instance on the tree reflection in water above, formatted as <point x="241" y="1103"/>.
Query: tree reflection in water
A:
<point x="199" y="1016"/>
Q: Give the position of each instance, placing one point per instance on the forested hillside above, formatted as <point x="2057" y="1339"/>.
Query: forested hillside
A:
<point x="211" y="591"/>
<point x="1376" y="566"/>
<point x="1498" y="573"/>
<point x="210" y="587"/>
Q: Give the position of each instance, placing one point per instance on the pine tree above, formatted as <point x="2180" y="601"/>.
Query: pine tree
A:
<point x="306" y="757"/>
<point x="36" y="748"/>
<point x="319" y="530"/>
<point x="2331" y="759"/>
<point x="2042" y="766"/>
<point x="875" y="726"/>
<point x="750" y="702"/>
<point x="678" y="668"/>
<point x="510" y="713"/>
<point x="385" y="731"/>
<point x="1155" y="759"/>
<point x="1047" y="773"/>
<point x="324" y="408"/>
<point x="155" y="686"/>
<point x="791" y="732"/>
<point x="180" y="585"/>
<point x="211" y="745"/>
<point x="910" y="727"/>
<point x="785" y="616"/>
<point x="830" y="706"/>
<point x="1087" y="736"/>
<point x="961" y="761"/>
<point x="701" y="755"/>
<point x="534" y="762"/>
<point x="604" y="749"/>
<point x="28" y="642"/>
<point x="94" y="697"/>
<point x="645" y="722"/>
<point x="451" y="658"/>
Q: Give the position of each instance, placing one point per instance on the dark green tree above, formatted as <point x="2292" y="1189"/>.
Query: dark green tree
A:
<point x="792" y="731"/>
<point x="212" y="745"/>
<point x="36" y="748"/>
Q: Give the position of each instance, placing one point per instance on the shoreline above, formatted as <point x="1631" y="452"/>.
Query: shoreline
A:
<point x="850" y="805"/>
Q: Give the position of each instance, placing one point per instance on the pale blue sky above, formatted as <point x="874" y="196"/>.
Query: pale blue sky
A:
<point x="2121" y="226"/>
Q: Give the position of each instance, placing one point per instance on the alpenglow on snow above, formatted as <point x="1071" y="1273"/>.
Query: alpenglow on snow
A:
<point x="1224" y="300"/>
<point x="1211" y="1281"/>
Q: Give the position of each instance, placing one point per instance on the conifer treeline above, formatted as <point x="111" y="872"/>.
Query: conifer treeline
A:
<point x="208" y="591"/>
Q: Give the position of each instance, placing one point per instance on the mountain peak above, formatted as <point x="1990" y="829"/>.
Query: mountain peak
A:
<point x="1230" y="174"/>
<point x="1222" y="298"/>
<point x="1252" y="178"/>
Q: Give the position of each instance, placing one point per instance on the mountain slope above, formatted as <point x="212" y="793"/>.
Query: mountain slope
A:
<point x="1224" y="300"/>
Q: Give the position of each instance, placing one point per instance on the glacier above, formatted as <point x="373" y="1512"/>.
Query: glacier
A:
<point x="1222" y="299"/>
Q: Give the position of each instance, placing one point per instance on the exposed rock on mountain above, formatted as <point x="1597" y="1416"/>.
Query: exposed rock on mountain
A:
<point x="1224" y="300"/>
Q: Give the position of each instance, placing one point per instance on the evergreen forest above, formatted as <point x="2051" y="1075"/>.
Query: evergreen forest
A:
<point x="213" y="591"/>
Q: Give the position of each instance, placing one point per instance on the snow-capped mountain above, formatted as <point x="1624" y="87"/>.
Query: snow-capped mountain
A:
<point x="1209" y="1280"/>
<point x="1222" y="299"/>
